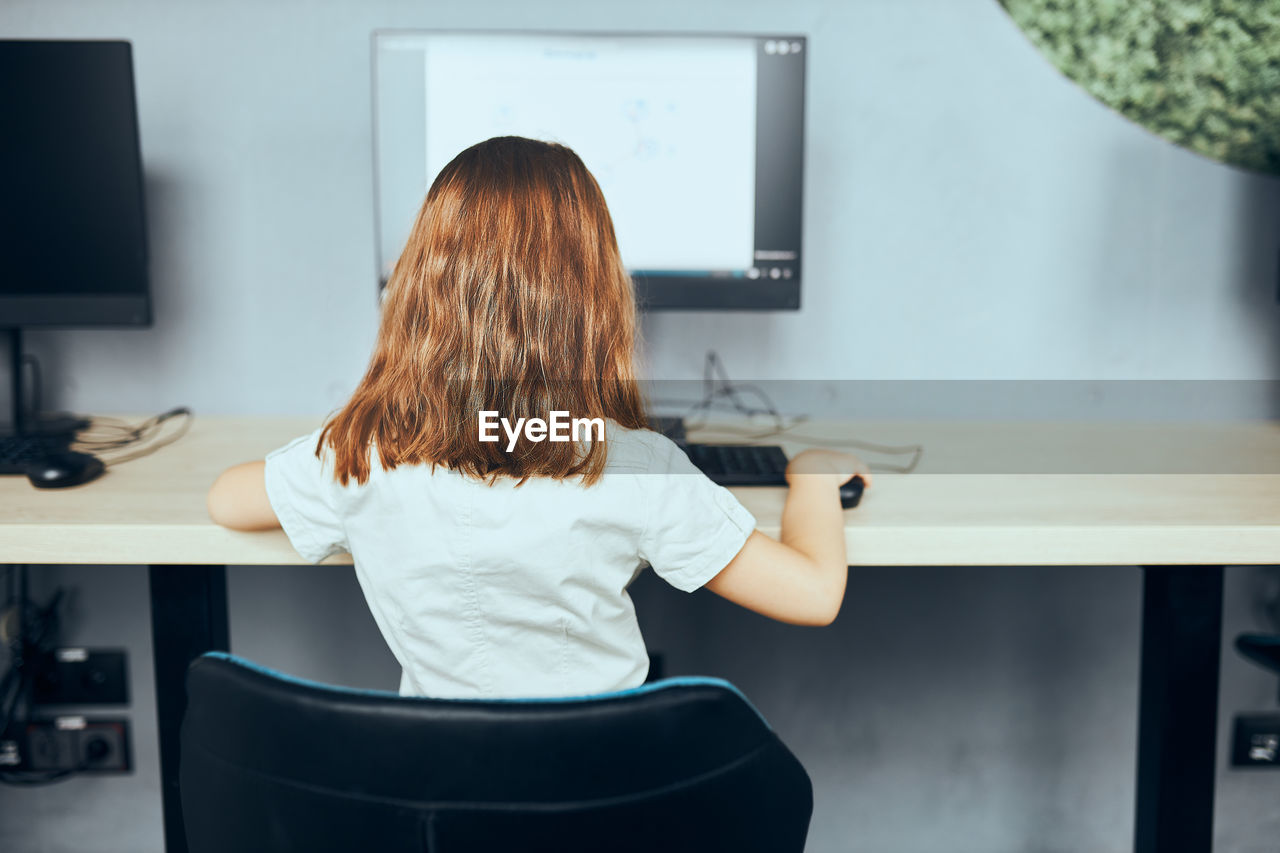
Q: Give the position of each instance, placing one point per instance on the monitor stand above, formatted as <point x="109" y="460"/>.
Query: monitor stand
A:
<point x="30" y="423"/>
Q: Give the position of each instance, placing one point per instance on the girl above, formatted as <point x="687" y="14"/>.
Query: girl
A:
<point x="500" y="568"/>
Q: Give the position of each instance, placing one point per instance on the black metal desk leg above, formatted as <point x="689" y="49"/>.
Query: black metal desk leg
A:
<point x="188" y="618"/>
<point x="1178" y="708"/>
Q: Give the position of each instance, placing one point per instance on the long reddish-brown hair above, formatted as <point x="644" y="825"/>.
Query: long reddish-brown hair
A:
<point x="510" y="296"/>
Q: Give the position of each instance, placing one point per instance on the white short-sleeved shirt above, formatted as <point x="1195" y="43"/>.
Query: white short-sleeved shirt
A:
<point x="497" y="590"/>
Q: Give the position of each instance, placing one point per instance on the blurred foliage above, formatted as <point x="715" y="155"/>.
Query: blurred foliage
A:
<point x="1204" y="74"/>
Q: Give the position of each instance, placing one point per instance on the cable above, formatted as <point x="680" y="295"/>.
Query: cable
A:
<point x="916" y="450"/>
<point x="183" y="426"/>
<point x="104" y="435"/>
<point x="717" y="385"/>
<point x="40" y="777"/>
<point x="107" y="433"/>
<point x="15" y="677"/>
<point x="33" y="637"/>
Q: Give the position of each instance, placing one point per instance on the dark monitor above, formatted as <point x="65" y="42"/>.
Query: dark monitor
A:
<point x="697" y="141"/>
<point x="73" y="249"/>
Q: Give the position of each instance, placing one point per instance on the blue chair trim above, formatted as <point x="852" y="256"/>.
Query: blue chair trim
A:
<point x="652" y="687"/>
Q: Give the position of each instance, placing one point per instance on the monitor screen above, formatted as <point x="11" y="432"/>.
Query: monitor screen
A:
<point x="72" y="231"/>
<point x="696" y="140"/>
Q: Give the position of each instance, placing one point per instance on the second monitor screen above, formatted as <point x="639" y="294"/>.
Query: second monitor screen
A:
<point x="696" y="141"/>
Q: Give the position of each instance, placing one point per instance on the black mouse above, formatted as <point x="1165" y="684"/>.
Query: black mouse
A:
<point x="851" y="491"/>
<point x="64" y="468"/>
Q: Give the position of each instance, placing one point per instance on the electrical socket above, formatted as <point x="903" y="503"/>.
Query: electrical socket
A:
<point x="76" y="743"/>
<point x="79" y="676"/>
<point x="1255" y="741"/>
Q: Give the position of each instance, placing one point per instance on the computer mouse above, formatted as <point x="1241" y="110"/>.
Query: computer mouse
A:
<point x="64" y="468"/>
<point x="851" y="491"/>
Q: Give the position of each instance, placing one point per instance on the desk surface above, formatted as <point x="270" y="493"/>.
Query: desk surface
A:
<point x="972" y="501"/>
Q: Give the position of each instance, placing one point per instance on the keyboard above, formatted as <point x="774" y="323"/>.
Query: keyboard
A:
<point x="19" y="452"/>
<point x="740" y="464"/>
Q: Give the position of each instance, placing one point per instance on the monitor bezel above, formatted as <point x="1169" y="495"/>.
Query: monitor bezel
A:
<point x="74" y="311"/>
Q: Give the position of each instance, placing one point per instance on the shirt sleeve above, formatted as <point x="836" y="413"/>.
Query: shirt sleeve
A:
<point x="301" y="488"/>
<point x="695" y="528"/>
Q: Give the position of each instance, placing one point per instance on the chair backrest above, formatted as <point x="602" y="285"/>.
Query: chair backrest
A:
<point x="685" y="765"/>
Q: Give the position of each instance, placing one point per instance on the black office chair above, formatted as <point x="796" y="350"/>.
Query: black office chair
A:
<point x="685" y="765"/>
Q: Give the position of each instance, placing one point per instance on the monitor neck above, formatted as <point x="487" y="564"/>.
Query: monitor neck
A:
<point x="17" y="417"/>
<point x="29" y="420"/>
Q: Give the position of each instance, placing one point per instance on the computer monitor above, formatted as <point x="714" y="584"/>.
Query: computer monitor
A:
<point x="697" y="142"/>
<point x="73" y="248"/>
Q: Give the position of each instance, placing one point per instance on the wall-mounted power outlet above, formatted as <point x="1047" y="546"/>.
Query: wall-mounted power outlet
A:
<point x="78" y="676"/>
<point x="1256" y="741"/>
<point x="76" y="744"/>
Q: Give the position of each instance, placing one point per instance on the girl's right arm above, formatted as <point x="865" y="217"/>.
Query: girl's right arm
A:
<point x="801" y="578"/>
<point x="238" y="499"/>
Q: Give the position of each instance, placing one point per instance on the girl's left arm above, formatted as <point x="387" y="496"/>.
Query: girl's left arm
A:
<point x="238" y="499"/>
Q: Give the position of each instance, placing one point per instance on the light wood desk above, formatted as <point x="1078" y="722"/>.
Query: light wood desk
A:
<point x="970" y="502"/>
<point x="1182" y="501"/>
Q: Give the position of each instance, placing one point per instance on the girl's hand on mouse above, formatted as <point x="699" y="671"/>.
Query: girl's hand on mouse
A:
<point x="801" y="576"/>
<point x="843" y="466"/>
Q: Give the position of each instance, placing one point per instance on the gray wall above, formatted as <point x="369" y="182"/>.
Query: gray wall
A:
<point x="969" y="215"/>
